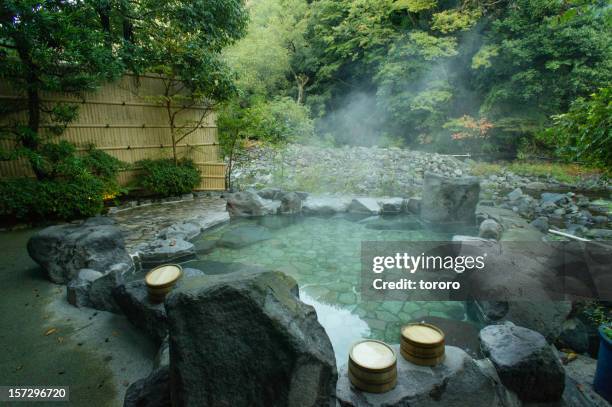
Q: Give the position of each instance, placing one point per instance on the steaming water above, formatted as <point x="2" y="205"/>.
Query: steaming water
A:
<point x="323" y="256"/>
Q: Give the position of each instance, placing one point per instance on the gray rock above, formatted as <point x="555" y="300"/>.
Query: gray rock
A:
<point x="449" y="200"/>
<point x="243" y="236"/>
<point x="133" y="300"/>
<point x="65" y="249"/>
<point x="248" y="203"/>
<point x="524" y="361"/>
<point x="325" y="205"/>
<point x="204" y="246"/>
<point x="413" y="205"/>
<point x="515" y="195"/>
<point x="545" y="317"/>
<point x="270" y="193"/>
<point x="183" y="230"/>
<point x="364" y="205"/>
<point x="488" y="312"/>
<point x="391" y="205"/>
<point x="163" y="251"/>
<point x="489" y="229"/>
<point x="149" y="317"/>
<point x="554" y="198"/>
<point x="102" y="289"/>
<point x="458" y="381"/>
<point x="269" y="349"/>
<point x="151" y="391"/>
<point x="77" y="290"/>
<point x="574" y="335"/>
<point x="540" y="223"/>
<point x="536" y="186"/>
<point x="291" y="203"/>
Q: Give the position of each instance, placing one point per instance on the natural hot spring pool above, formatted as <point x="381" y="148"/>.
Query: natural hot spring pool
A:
<point x="323" y="256"/>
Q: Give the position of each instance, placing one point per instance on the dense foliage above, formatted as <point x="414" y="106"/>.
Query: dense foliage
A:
<point x="166" y="178"/>
<point x="73" y="186"/>
<point x="584" y="133"/>
<point x="466" y="76"/>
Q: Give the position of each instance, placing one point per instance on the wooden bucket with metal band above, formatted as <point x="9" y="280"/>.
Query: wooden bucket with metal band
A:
<point x="372" y="366"/>
<point x="161" y="280"/>
<point x="422" y="344"/>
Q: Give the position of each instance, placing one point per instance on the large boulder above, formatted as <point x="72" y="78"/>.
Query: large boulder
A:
<point x="248" y="203"/>
<point x="245" y="339"/>
<point x="449" y="200"/>
<point x="270" y="193"/>
<point x="325" y="205"/>
<point x="524" y="361"/>
<point x="456" y="382"/>
<point x="63" y="250"/>
<point x="291" y="203"/>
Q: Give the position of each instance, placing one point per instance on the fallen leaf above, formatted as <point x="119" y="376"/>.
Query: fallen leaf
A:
<point x="60" y="339"/>
<point x="50" y="331"/>
<point x="115" y="333"/>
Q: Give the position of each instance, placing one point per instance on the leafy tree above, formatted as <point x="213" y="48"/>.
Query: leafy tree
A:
<point x="49" y="46"/>
<point x="584" y="133"/>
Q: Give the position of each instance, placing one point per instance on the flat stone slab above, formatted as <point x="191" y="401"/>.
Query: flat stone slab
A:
<point x="165" y="251"/>
<point x="458" y="381"/>
<point x="364" y="205"/>
<point x="325" y="205"/>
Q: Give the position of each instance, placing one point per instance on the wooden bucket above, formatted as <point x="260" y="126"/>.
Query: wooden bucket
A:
<point x="422" y="344"/>
<point x="372" y="366"/>
<point x="160" y="281"/>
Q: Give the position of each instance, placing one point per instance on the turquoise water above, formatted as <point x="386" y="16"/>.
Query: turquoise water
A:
<point x="323" y="256"/>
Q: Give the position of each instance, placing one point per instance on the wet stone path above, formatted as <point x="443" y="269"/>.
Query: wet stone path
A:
<point x="142" y="223"/>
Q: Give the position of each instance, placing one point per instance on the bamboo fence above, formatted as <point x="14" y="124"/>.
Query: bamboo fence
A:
<point x="124" y="120"/>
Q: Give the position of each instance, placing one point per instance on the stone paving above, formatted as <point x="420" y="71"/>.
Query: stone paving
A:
<point x="142" y="223"/>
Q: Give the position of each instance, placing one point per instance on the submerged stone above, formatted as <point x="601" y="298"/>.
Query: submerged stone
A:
<point x="243" y="236"/>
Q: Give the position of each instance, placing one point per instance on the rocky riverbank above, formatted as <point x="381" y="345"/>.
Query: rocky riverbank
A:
<point x="377" y="171"/>
<point x="583" y="208"/>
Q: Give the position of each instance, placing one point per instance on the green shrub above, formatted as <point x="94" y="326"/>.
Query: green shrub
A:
<point x="105" y="167"/>
<point x="164" y="177"/>
<point x="30" y="199"/>
<point x="584" y="134"/>
<point x="74" y="186"/>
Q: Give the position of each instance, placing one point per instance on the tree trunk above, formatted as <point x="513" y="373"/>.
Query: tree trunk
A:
<point x="301" y="80"/>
